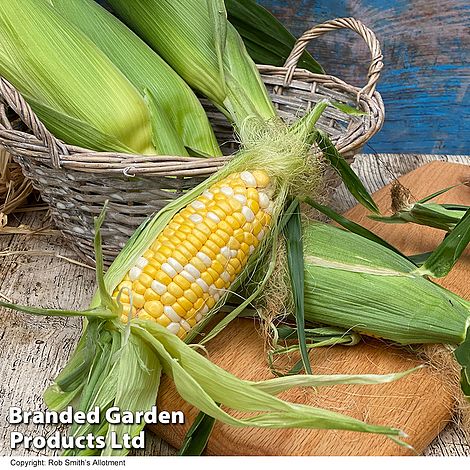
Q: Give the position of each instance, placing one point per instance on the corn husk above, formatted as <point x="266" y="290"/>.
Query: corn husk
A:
<point x="196" y="39"/>
<point x="362" y="285"/>
<point x="70" y="84"/>
<point x="180" y="125"/>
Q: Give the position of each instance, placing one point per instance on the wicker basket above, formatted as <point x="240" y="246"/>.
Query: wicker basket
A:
<point x="14" y="187"/>
<point x="75" y="182"/>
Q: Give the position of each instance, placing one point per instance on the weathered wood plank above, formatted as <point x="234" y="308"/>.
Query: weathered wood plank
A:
<point x="425" y="82"/>
<point x="33" y="350"/>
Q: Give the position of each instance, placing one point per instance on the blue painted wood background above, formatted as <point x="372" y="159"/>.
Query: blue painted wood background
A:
<point x="425" y="82"/>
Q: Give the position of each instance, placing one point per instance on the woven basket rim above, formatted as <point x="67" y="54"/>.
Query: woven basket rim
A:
<point x="42" y="145"/>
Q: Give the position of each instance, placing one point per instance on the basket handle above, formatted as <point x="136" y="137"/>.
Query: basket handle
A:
<point x="13" y="98"/>
<point x="340" y="23"/>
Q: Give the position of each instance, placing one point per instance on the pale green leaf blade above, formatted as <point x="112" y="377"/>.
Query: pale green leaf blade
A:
<point x="281" y="384"/>
<point x="203" y="384"/>
<point x="136" y="389"/>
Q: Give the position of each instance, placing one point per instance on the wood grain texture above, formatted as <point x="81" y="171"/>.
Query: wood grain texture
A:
<point x="405" y="404"/>
<point x="33" y="350"/>
<point x="425" y="82"/>
<point x="414" y="404"/>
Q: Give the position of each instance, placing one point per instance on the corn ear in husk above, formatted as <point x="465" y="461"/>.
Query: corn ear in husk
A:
<point x="361" y="285"/>
<point x="180" y="125"/>
<point x="118" y="363"/>
<point x="71" y="85"/>
<point x="198" y="42"/>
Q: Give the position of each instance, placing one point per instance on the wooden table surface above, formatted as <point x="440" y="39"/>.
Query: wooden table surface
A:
<point x="33" y="350"/>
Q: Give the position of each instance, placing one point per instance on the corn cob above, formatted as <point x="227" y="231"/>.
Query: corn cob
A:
<point x="200" y="253"/>
<point x="185" y="259"/>
<point x="391" y="297"/>
<point x="229" y="220"/>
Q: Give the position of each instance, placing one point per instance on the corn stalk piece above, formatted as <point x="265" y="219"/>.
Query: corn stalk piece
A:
<point x="440" y="216"/>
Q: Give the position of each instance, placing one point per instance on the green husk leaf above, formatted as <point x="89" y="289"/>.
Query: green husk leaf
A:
<point x="429" y="214"/>
<point x="267" y="40"/>
<point x="295" y="262"/>
<point x="218" y="19"/>
<point x="75" y="131"/>
<point x="350" y="179"/>
<point x="99" y="389"/>
<point x="137" y="387"/>
<point x="109" y="343"/>
<point x="305" y="126"/>
<point x="440" y="216"/>
<point x="444" y="257"/>
<point x="106" y="300"/>
<point x="347" y="109"/>
<point x="72" y="377"/>
<point x="203" y="384"/>
<point x="49" y="312"/>
<point x="198" y="435"/>
<point x="438" y="193"/>
<point x="280" y="384"/>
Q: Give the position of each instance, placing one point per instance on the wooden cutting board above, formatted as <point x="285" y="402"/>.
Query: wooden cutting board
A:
<point x="420" y="404"/>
